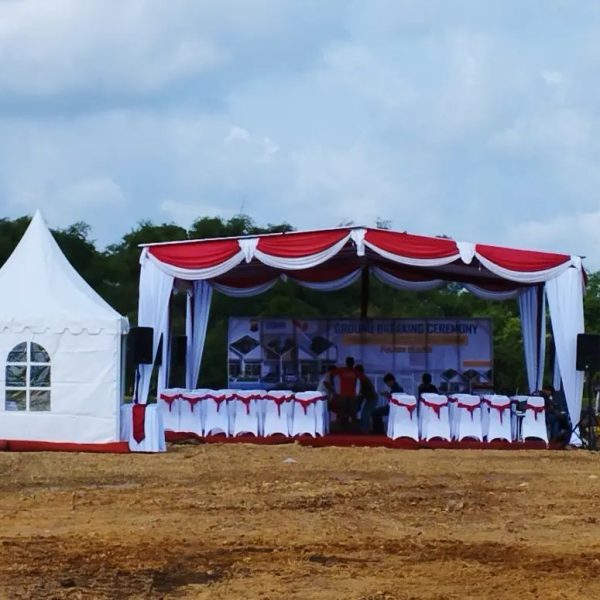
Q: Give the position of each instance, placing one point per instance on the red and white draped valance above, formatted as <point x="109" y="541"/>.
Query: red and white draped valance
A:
<point x="523" y="266"/>
<point x="301" y="252"/>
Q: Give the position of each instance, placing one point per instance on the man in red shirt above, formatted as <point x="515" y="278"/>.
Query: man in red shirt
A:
<point x="345" y="404"/>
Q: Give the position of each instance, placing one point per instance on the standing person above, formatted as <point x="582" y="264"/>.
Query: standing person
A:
<point x="426" y="387"/>
<point x="367" y="397"/>
<point x="344" y="404"/>
<point x="383" y="411"/>
<point x="325" y="385"/>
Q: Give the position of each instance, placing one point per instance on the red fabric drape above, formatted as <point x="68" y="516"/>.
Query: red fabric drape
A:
<point x="278" y="401"/>
<point x="138" y="415"/>
<point x="470" y="407"/>
<point x="196" y="255"/>
<point x="434" y="406"/>
<point x="409" y="407"/>
<point x="169" y="399"/>
<point x="411" y="246"/>
<point x="297" y="245"/>
<point x="523" y="261"/>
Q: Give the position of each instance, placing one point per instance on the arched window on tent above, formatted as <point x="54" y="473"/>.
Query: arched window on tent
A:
<point x="27" y="382"/>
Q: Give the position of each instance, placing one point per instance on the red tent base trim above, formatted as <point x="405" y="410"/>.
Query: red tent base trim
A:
<point x="33" y="446"/>
<point x="361" y="441"/>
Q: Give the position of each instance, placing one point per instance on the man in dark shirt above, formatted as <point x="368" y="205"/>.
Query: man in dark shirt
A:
<point x="367" y="399"/>
<point x="383" y="411"/>
<point x="426" y="387"/>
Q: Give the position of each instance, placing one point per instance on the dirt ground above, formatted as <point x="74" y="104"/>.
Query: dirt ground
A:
<point x="243" y="521"/>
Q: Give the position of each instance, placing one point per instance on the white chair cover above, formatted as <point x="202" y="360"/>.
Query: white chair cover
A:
<point x="403" y="420"/>
<point x="229" y="395"/>
<point x="306" y="413"/>
<point x="154" y="440"/>
<point x="191" y="411"/>
<point x="245" y="408"/>
<point x="277" y="406"/>
<point x="434" y="417"/>
<point x="498" y="418"/>
<point x="466" y="417"/>
<point x="534" y="421"/>
<point x="169" y="405"/>
<point x="216" y="412"/>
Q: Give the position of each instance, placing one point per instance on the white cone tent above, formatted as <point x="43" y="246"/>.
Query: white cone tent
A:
<point x="60" y="349"/>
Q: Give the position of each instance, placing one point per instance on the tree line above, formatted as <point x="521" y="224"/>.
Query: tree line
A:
<point x="114" y="273"/>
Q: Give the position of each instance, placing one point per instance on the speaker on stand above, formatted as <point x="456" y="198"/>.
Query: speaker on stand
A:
<point x="588" y="360"/>
<point x="138" y="351"/>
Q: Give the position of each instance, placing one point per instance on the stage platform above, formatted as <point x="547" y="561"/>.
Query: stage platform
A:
<point x="362" y="441"/>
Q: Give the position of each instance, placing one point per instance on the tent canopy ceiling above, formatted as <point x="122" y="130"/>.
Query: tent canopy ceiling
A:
<point x="326" y="255"/>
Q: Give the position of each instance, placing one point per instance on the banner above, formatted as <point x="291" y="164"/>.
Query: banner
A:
<point x="283" y="352"/>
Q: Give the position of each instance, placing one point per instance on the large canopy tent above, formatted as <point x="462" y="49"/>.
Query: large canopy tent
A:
<point x="61" y="350"/>
<point x="332" y="259"/>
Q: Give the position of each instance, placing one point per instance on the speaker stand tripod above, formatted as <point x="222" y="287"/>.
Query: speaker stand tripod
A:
<point x="588" y="417"/>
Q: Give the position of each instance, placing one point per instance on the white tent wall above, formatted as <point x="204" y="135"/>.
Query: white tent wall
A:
<point x="85" y="389"/>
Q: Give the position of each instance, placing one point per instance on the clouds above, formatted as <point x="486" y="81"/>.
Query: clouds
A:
<point x="477" y="120"/>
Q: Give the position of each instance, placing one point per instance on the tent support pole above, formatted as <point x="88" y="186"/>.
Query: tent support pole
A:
<point x="364" y="293"/>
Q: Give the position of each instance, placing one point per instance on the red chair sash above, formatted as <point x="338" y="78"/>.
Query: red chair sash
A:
<point x="246" y="401"/>
<point x="500" y="408"/>
<point x="305" y="403"/>
<point x="470" y="407"/>
<point x="409" y="407"/>
<point x="169" y="399"/>
<point x="536" y="409"/>
<point x="437" y="408"/>
<point x="279" y="400"/>
<point x="138" y="417"/>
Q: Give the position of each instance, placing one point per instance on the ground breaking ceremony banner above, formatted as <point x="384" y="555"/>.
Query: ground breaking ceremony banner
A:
<point x="286" y="352"/>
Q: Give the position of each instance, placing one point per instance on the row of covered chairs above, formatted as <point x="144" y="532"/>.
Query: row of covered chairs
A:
<point x="205" y="412"/>
<point x="466" y="416"/>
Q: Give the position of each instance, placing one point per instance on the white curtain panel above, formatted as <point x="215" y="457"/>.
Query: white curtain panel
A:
<point x="153" y="311"/>
<point x="565" y="301"/>
<point x="533" y="340"/>
<point x="200" y="314"/>
<point x="556" y="377"/>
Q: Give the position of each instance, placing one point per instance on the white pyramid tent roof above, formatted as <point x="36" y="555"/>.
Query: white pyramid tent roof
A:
<point x="41" y="291"/>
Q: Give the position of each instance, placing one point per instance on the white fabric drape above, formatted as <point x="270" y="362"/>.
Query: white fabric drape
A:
<point x="302" y="262"/>
<point x="153" y="311"/>
<point x="197" y="274"/>
<point x="565" y="300"/>
<point x="405" y="284"/>
<point x="331" y="286"/>
<point x="414" y="262"/>
<point x="523" y="276"/>
<point x="533" y="327"/>
<point x="556" y="377"/>
<point x="236" y="292"/>
<point x="490" y="295"/>
<point x="202" y="296"/>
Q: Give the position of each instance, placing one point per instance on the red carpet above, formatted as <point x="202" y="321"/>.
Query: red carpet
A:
<point x="360" y="441"/>
<point x="28" y="446"/>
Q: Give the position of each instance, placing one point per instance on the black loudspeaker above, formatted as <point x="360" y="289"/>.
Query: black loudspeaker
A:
<point x="178" y="351"/>
<point x="588" y="352"/>
<point x="139" y="345"/>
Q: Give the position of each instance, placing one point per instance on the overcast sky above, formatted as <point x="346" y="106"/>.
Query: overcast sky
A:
<point x="476" y="119"/>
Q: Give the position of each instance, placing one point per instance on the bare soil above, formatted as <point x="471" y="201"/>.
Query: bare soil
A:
<point x="242" y="521"/>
